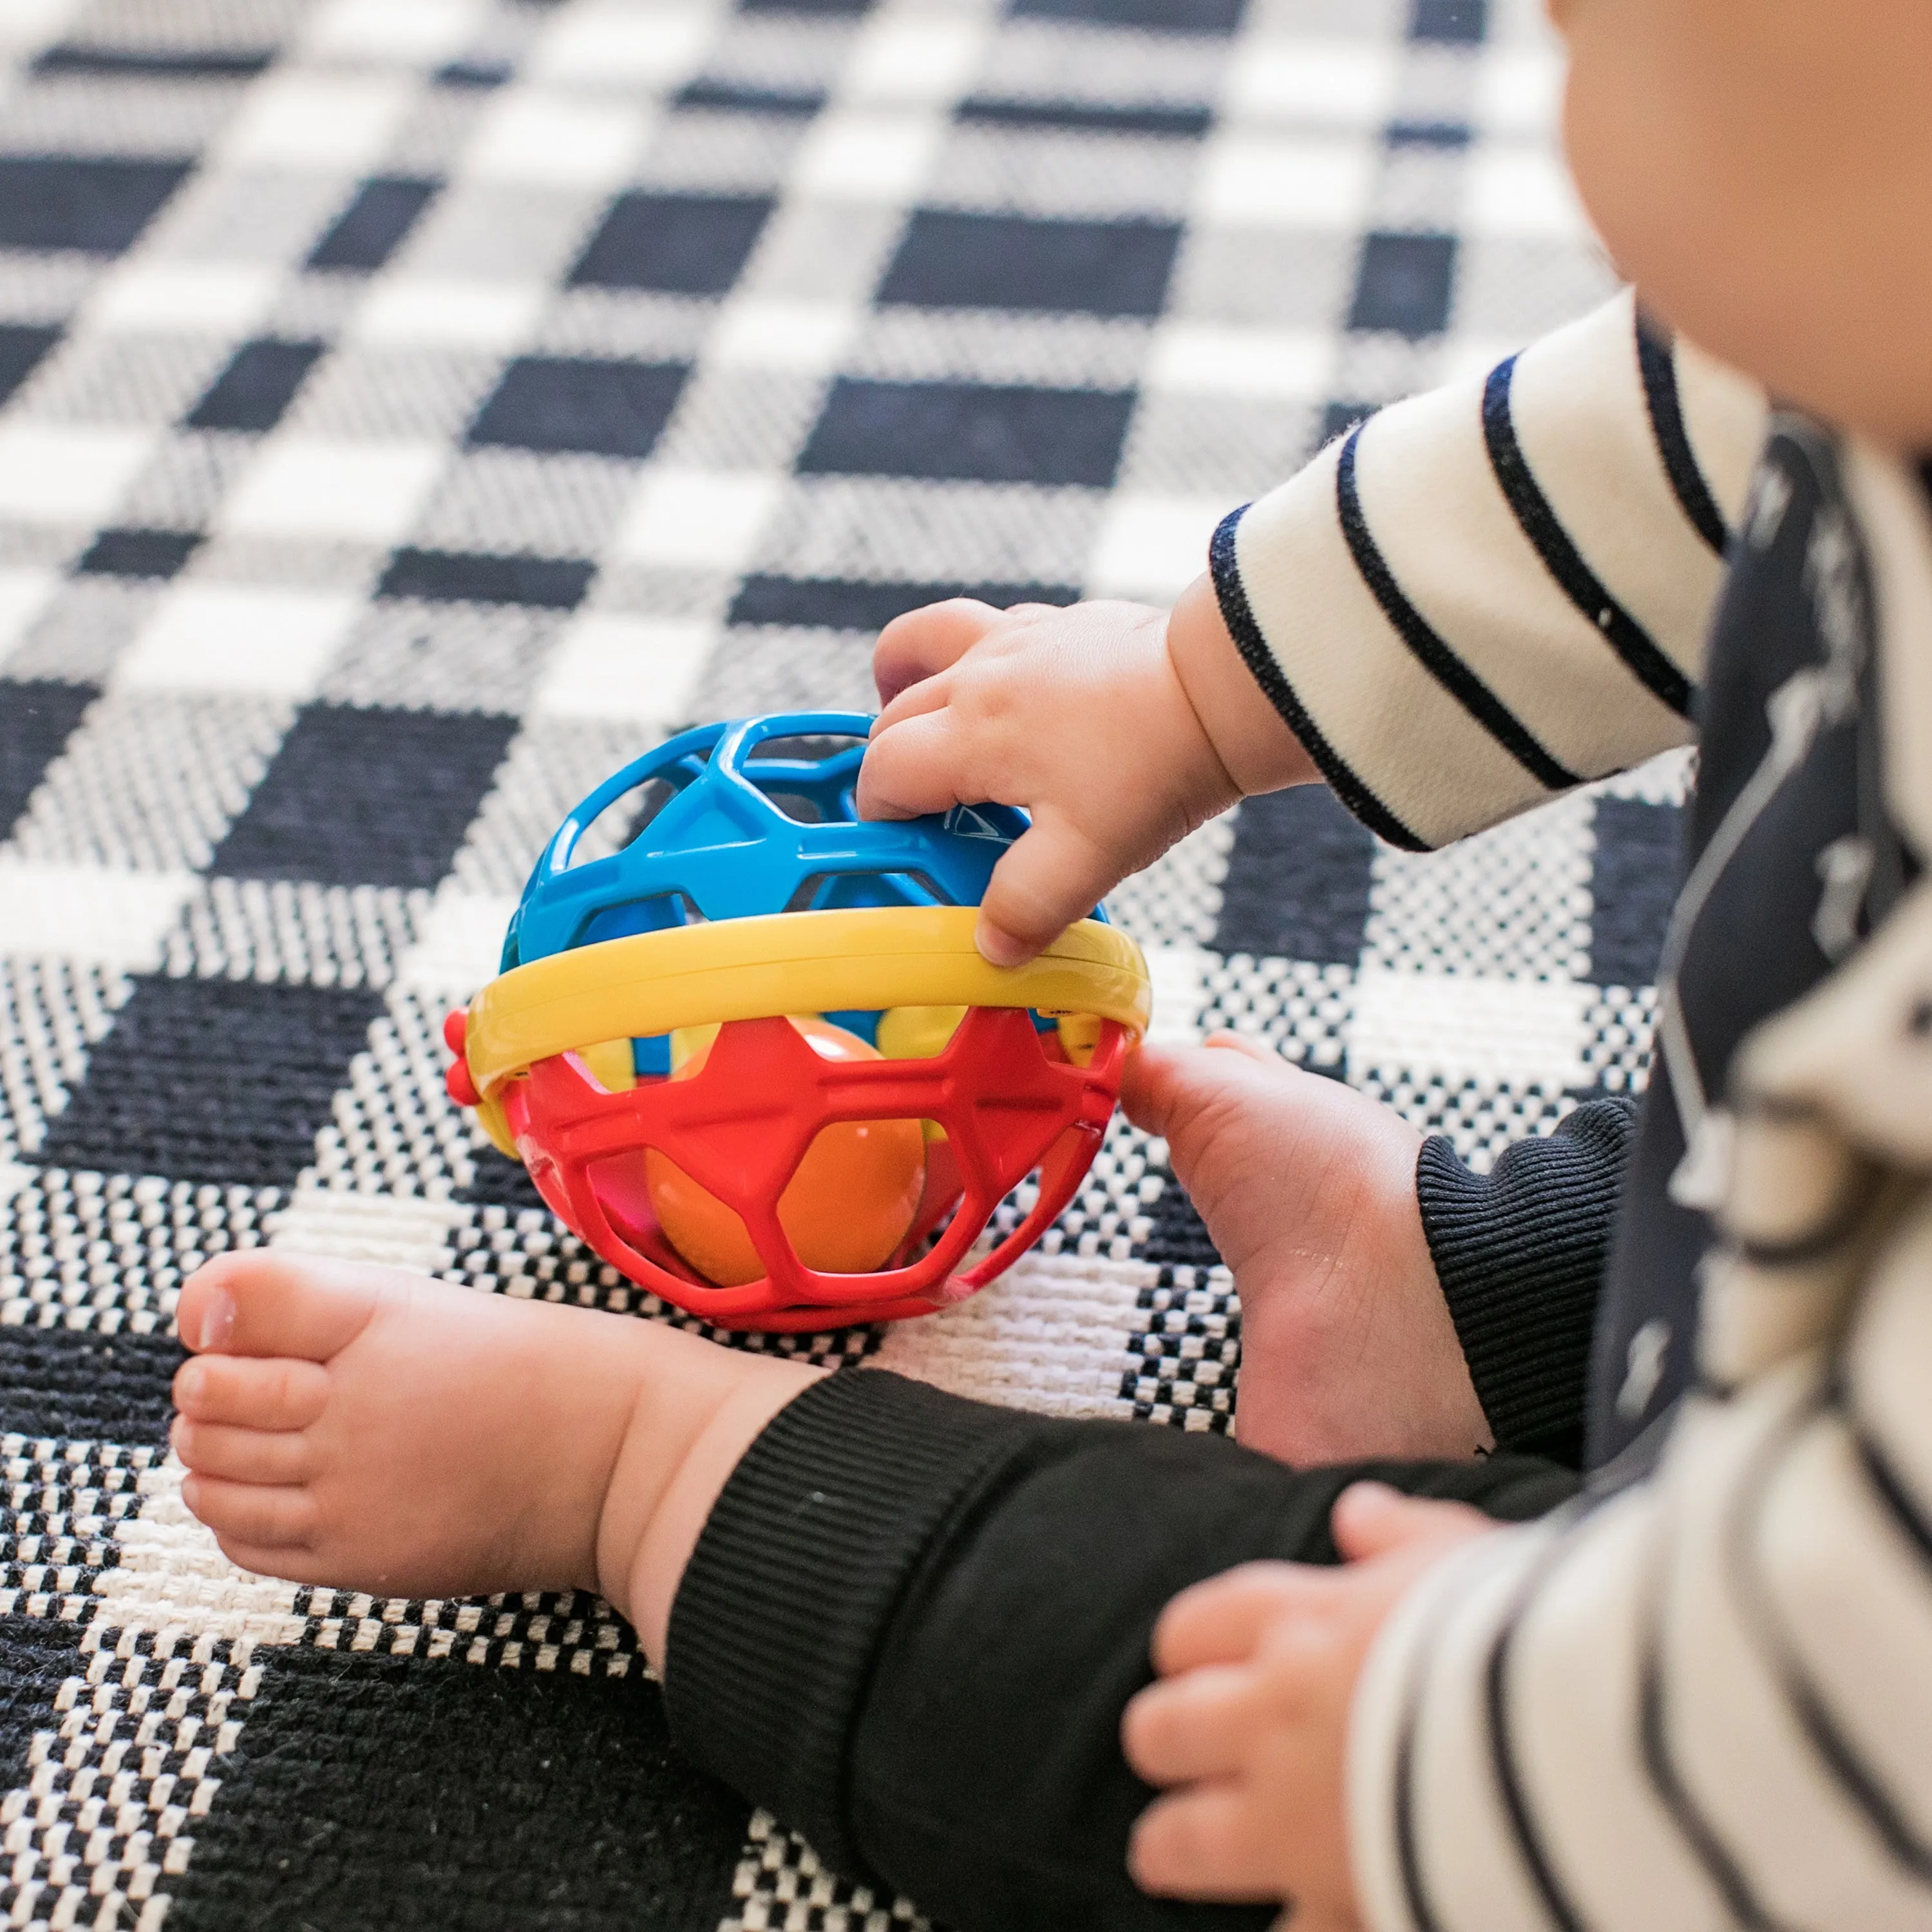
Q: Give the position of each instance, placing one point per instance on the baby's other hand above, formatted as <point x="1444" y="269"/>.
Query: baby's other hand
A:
<point x="1075" y="714"/>
<point x="1249" y="1720"/>
<point x="1308" y="1189"/>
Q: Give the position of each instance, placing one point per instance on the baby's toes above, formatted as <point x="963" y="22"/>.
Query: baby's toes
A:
<point x="288" y="1562"/>
<point x="242" y="1455"/>
<point x="251" y="1393"/>
<point x="251" y="1515"/>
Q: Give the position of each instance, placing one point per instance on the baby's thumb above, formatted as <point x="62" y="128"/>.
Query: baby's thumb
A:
<point x="1177" y="1091"/>
<point x="1052" y="876"/>
<point x="1371" y="1519"/>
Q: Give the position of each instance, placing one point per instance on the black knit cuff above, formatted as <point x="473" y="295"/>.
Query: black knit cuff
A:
<point x="1521" y="1254"/>
<point x="796" y="1576"/>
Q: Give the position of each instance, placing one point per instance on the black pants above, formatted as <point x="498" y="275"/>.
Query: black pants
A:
<point x="912" y="1622"/>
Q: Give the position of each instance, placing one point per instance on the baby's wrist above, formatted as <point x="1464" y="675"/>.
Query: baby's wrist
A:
<point x="1249" y="737"/>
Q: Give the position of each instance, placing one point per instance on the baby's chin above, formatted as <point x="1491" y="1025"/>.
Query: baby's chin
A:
<point x="1834" y="360"/>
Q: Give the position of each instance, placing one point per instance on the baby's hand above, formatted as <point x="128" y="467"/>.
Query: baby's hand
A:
<point x="1250" y="1720"/>
<point x="1308" y="1189"/>
<point x="1120" y="728"/>
<point x="1075" y="714"/>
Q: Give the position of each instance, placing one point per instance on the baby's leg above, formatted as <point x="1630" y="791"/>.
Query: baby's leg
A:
<point x="912" y="1621"/>
<point x="377" y="1430"/>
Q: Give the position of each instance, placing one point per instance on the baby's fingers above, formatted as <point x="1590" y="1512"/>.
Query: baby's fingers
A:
<point x="1198" y="1725"/>
<point x="1052" y="875"/>
<point x="1370" y="1520"/>
<point x="913" y="766"/>
<point x="921" y="642"/>
<point x="1211" y="1841"/>
<point x="1223" y="1620"/>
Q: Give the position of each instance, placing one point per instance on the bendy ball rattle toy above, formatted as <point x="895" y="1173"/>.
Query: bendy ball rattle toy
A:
<point x="752" y="1056"/>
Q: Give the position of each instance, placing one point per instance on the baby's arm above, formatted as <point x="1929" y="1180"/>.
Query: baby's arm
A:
<point x="1482" y="597"/>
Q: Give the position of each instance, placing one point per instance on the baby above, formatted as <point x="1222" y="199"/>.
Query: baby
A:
<point x="1696" y="1691"/>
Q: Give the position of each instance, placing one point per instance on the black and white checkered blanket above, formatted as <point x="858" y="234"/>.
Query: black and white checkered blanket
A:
<point x="412" y="409"/>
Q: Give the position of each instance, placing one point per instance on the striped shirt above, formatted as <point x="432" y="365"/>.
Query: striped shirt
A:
<point x="1516" y="573"/>
<point x="1701" y="1696"/>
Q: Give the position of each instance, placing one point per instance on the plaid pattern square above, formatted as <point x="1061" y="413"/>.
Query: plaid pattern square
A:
<point x="412" y="409"/>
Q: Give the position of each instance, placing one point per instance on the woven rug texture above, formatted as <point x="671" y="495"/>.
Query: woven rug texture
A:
<point x="412" y="409"/>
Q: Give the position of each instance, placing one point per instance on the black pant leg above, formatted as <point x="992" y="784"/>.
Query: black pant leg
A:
<point x="912" y="1622"/>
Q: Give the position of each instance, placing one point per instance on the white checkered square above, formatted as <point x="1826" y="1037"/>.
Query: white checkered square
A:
<point x="92" y="914"/>
<point x="68" y="472"/>
<point x="340" y="123"/>
<point x="317" y="487"/>
<point x="228" y="638"/>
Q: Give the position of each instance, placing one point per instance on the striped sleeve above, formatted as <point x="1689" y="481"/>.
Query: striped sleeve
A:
<point x="1487" y="594"/>
<point x="1704" y="1701"/>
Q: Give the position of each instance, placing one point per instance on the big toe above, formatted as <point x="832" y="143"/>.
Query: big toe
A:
<point x="1169" y="1090"/>
<point x="1226" y="1040"/>
<point x="261" y="1302"/>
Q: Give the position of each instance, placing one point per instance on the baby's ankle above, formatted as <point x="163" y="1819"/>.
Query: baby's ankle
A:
<point x="699" y="1407"/>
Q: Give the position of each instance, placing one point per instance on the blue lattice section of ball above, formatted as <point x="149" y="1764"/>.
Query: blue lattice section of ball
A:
<point x="753" y="816"/>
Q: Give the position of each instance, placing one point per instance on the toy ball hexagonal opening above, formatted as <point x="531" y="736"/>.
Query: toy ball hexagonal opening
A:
<point x="847" y="1209"/>
<point x="746" y="1047"/>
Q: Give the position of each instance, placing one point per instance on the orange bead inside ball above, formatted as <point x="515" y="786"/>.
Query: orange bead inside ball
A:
<point x="847" y="1207"/>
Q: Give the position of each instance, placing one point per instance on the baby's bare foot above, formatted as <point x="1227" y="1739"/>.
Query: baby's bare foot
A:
<point x="373" y="1430"/>
<point x="1308" y="1188"/>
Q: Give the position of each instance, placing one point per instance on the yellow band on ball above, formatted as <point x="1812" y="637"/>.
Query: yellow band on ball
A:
<point x="865" y="959"/>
